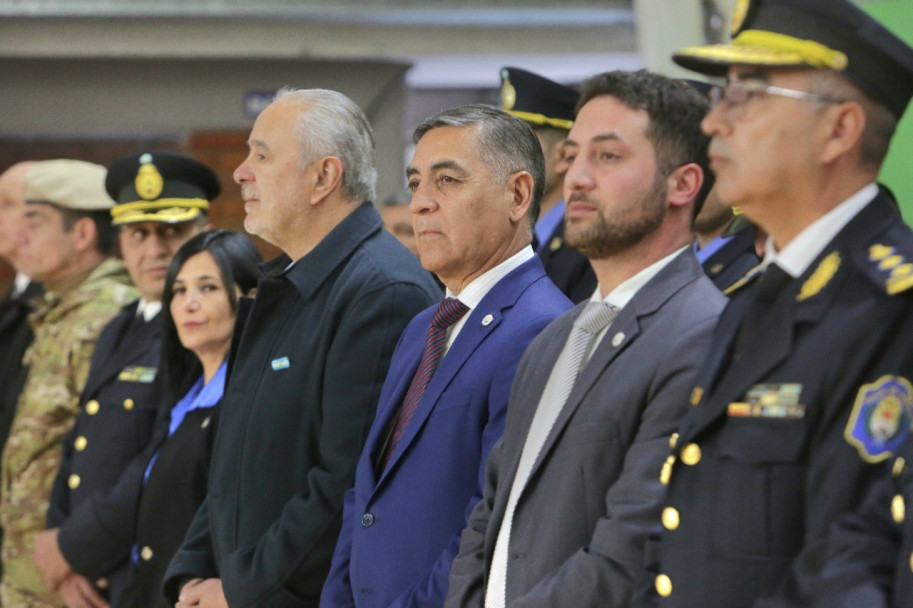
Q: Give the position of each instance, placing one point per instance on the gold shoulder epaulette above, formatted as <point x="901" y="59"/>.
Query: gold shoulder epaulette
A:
<point x="890" y="268"/>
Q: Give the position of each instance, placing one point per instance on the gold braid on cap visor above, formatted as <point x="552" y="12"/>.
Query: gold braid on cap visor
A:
<point x="542" y="119"/>
<point x="758" y="47"/>
<point x="170" y="210"/>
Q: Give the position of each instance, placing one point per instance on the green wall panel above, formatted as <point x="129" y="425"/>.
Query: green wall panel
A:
<point x="897" y="172"/>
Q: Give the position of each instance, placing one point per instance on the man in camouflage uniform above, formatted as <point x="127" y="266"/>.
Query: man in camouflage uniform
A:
<point x="65" y="245"/>
<point x="161" y="201"/>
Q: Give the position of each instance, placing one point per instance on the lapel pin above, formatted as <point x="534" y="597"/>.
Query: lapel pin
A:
<point x="487" y="319"/>
<point x="618" y="338"/>
<point x="280" y="363"/>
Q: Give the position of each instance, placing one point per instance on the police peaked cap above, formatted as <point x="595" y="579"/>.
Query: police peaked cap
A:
<point x="537" y="100"/>
<point x="160" y="187"/>
<point x="823" y="34"/>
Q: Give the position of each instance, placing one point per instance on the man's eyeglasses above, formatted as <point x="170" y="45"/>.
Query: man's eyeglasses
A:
<point x="736" y="94"/>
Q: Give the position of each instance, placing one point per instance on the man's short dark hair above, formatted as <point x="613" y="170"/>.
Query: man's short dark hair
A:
<point x="507" y="144"/>
<point x="675" y="110"/>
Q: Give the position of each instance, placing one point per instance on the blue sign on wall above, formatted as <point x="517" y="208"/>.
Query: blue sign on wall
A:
<point x="256" y="101"/>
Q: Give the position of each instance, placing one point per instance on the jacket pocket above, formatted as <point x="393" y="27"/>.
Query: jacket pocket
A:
<point x="758" y="506"/>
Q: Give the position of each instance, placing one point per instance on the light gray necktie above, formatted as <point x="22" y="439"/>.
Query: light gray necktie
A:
<point x="595" y="317"/>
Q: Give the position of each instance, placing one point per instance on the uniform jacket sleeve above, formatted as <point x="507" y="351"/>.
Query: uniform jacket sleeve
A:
<point x="863" y="548"/>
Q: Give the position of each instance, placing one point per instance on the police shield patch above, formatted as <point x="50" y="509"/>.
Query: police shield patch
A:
<point x="881" y="417"/>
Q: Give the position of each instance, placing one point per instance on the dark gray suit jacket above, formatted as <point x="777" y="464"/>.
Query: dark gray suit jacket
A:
<point x="594" y="492"/>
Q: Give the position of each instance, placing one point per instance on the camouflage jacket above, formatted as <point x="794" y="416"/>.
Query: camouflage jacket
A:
<point x="66" y="327"/>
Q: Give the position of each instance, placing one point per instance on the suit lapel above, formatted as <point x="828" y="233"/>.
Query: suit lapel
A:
<point x="516" y="431"/>
<point x="389" y="405"/>
<point x="517" y="427"/>
<point x="482" y="321"/>
<point x="683" y="269"/>
<point x="471" y="336"/>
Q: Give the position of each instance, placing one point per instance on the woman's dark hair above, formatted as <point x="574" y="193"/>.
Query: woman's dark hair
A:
<point x="237" y="259"/>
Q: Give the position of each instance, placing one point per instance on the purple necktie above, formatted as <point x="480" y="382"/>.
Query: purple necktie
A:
<point x="448" y="312"/>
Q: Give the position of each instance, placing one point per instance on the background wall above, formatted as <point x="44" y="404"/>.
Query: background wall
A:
<point x="897" y="172"/>
<point x="53" y="98"/>
<point x="97" y="79"/>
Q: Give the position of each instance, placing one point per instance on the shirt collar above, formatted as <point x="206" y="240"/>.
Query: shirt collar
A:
<point x="199" y="396"/>
<point x="309" y="272"/>
<point x="473" y="293"/>
<point x="20" y="284"/>
<point x="624" y="292"/>
<point x="800" y="252"/>
<point x="148" y="309"/>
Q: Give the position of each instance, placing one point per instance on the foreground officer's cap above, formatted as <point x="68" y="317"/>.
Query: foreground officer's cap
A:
<point x="537" y="100"/>
<point x="822" y="34"/>
<point x="160" y="187"/>
<point x="67" y="184"/>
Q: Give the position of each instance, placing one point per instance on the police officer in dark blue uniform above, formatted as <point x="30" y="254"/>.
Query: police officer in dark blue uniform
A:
<point x="808" y="386"/>
<point x="162" y="200"/>
<point x="549" y="108"/>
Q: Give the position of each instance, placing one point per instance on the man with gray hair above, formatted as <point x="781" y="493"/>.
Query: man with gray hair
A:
<point x="308" y="359"/>
<point x="476" y="177"/>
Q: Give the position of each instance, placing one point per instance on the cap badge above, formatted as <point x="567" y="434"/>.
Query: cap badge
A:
<point x="508" y="93"/>
<point x="149" y="182"/>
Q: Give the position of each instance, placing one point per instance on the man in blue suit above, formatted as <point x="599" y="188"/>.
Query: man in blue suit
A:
<point x="476" y="178"/>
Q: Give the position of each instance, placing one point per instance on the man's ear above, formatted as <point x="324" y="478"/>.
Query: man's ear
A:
<point x="84" y="234"/>
<point x="843" y="126"/>
<point x="559" y="158"/>
<point x="683" y="184"/>
<point x="327" y="178"/>
<point x="520" y="187"/>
